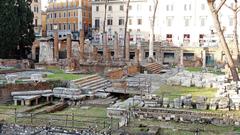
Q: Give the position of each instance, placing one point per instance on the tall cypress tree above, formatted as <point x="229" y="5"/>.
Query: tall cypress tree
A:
<point x="16" y="28"/>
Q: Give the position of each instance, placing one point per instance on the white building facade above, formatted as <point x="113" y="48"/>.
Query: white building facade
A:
<point x="178" y="22"/>
<point x="37" y="20"/>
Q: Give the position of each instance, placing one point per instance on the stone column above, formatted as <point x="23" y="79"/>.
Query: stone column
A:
<point x="181" y="57"/>
<point x="69" y="51"/>
<point x="127" y="47"/>
<point x="104" y="46"/>
<point x="204" y="58"/>
<point x="108" y="55"/>
<point x="139" y="47"/>
<point x="15" y="102"/>
<point x="22" y="102"/>
<point x="69" y="46"/>
<point x="137" y="55"/>
<point x="56" y="48"/>
<point x="36" y="101"/>
<point x="81" y="59"/>
<point x="95" y="54"/>
<point x="116" y="46"/>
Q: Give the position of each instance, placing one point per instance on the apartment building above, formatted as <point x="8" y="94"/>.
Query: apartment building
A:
<point x="68" y="17"/>
<point x="178" y="22"/>
<point x="37" y="20"/>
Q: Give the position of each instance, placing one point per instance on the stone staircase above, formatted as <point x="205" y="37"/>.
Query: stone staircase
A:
<point x="93" y="83"/>
<point x="153" y="68"/>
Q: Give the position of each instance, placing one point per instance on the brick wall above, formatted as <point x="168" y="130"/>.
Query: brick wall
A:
<point x="5" y="90"/>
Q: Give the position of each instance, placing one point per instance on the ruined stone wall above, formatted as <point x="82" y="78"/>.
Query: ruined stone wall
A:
<point x="5" y="90"/>
<point x="21" y="64"/>
<point x="115" y="74"/>
<point x="132" y="70"/>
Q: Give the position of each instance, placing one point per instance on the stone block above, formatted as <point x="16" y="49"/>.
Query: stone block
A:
<point x="11" y="78"/>
<point x="186" y="82"/>
<point x="199" y="84"/>
<point x="165" y="102"/>
<point x="177" y="103"/>
<point x="36" y="77"/>
<point x="223" y="103"/>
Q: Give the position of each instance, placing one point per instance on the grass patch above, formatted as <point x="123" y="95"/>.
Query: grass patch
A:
<point x="209" y="70"/>
<point x="176" y="91"/>
<point x="193" y="69"/>
<point x="59" y="74"/>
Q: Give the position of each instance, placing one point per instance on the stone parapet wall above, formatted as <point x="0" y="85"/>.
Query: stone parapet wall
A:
<point x="120" y="73"/>
<point x="177" y="115"/>
<point x="5" y="90"/>
<point x="132" y="70"/>
<point x="21" y="64"/>
<point x="115" y="74"/>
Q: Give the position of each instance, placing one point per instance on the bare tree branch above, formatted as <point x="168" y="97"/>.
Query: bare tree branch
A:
<point x="231" y="8"/>
<point x="220" y="5"/>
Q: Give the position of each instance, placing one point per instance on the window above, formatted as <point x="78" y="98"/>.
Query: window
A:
<point x="130" y="7"/>
<point x="97" y="23"/>
<point x="186" y="21"/>
<point x="167" y="7"/>
<point x="109" y="8"/>
<point x="230" y="20"/>
<point x="121" y="22"/>
<point x="59" y="15"/>
<point x="169" y="21"/>
<point x="55" y="15"/>
<point x="121" y="8"/>
<point x="150" y="8"/>
<point x="202" y="6"/>
<point x="139" y="7"/>
<point x="51" y="27"/>
<point x="185" y="7"/>
<point x="59" y="26"/>
<point x="74" y="14"/>
<point x="130" y="21"/>
<point x="64" y="14"/>
<point x="69" y="14"/>
<point x="51" y="15"/>
<point x="172" y="7"/>
<point x="139" y="21"/>
<point x="69" y="26"/>
<point x="36" y="22"/>
<point x="109" y="22"/>
<point x="64" y="26"/>
<point x="97" y="8"/>
<point x="202" y="21"/>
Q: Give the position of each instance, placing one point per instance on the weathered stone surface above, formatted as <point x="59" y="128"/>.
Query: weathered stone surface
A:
<point x="11" y="78"/>
<point x="165" y="102"/>
<point x="36" y="77"/>
<point x="186" y="82"/>
<point x="223" y="103"/>
<point x="177" y="103"/>
<point x="201" y="103"/>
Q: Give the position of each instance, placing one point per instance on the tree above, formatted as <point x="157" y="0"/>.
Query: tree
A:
<point x="16" y="28"/>
<point x="235" y="10"/>
<point x="214" y="11"/>
<point x="125" y="29"/>
<point x="8" y="28"/>
<point x="152" y="34"/>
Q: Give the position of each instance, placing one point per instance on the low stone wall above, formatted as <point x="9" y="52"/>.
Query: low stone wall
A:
<point x="120" y="73"/>
<point x="5" y="90"/>
<point x="177" y="115"/>
<point x="132" y="70"/>
<point x="115" y="74"/>
<point x="21" y="64"/>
